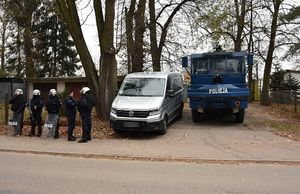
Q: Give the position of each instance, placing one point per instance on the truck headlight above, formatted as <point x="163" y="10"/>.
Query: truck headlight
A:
<point x="155" y="112"/>
<point x="113" y="110"/>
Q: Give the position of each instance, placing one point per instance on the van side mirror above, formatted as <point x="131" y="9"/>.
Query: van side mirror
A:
<point x="170" y="93"/>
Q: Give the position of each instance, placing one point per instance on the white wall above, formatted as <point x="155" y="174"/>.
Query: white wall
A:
<point x="61" y="86"/>
<point x="296" y="75"/>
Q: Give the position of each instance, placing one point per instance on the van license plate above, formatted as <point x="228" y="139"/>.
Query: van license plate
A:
<point x="131" y="124"/>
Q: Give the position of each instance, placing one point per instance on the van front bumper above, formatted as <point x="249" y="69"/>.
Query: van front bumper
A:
<point x="151" y="123"/>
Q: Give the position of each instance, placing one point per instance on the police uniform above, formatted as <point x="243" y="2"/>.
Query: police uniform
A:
<point x="36" y="106"/>
<point x="85" y="108"/>
<point x="18" y="107"/>
<point x="70" y="105"/>
<point x="53" y="105"/>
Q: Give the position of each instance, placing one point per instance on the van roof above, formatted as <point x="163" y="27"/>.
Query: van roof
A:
<point x="150" y="74"/>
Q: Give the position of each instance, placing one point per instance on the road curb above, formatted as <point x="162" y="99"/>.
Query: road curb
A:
<point x="156" y="159"/>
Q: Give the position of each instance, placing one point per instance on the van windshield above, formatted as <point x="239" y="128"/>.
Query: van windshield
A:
<point x="143" y="87"/>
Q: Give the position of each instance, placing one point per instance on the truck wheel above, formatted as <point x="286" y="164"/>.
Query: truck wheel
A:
<point x="240" y="116"/>
<point x="163" y="126"/>
<point x="195" y="115"/>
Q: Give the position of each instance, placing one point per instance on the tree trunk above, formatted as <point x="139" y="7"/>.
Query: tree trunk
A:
<point x="3" y="41"/>
<point x="129" y="30"/>
<point x="156" y="49"/>
<point x="108" y="83"/>
<point x="138" y="51"/>
<point x="153" y="37"/>
<point x="54" y="66"/>
<point x="240" y="17"/>
<point x="27" y="36"/>
<point x="19" y="64"/>
<point x="69" y="13"/>
<point x="250" y="50"/>
<point x="268" y="65"/>
<point x="108" y="71"/>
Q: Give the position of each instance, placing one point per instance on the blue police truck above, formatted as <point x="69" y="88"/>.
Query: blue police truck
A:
<point x="218" y="83"/>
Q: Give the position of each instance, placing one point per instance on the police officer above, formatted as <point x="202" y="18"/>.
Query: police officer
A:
<point x="53" y="105"/>
<point x="85" y="108"/>
<point x="70" y="104"/>
<point x="18" y="107"/>
<point x="36" y="106"/>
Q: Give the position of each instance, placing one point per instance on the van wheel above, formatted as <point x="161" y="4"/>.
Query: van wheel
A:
<point x="240" y="116"/>
<point x="163" y="126"/>
<point x="195" y="115"/>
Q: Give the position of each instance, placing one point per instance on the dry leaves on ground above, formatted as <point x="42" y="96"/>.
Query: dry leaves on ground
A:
<point x="100" y="129"/>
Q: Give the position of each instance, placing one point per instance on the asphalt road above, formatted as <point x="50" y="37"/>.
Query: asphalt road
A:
<point x="28" y="173"/>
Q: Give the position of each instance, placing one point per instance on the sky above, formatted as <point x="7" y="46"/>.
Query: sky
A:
<point x="89" y="29"/>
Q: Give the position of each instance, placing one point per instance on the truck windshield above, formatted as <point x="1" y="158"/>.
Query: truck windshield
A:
<point x="217" y="65"/>
<point x="143" y="87"/>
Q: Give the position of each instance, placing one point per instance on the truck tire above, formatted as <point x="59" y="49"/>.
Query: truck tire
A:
<point x="163" y="126"/>
<point x="195" y="115"/>
<point x="240" y="116"/>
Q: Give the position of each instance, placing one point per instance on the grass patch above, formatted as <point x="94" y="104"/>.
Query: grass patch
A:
<point x="279" y="125"/>
<point x="10" y="114"/>
<point x="2" y="113"/>
<point x="284" y="129"/>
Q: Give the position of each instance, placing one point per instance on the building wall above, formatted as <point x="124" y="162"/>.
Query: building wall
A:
<point x="75" y="87"/>
<point x="44" y="88"/>
<point x="296" y="75"/>
<point x="61" y="86"/>
<point x="9" y="86"/>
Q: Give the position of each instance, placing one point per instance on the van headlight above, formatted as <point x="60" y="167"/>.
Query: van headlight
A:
<point x="113" y="110"/>
<point x="155" y="112"/>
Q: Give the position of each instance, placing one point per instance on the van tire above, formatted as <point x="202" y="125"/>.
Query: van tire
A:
<point x="195" y="115"/>
<point x="163" y="126"/>
<point x="239" y="118"/>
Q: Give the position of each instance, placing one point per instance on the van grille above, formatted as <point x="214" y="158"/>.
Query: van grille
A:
<point x="138" y="114"/>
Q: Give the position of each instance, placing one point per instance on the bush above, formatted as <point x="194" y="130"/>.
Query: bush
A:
<point x="62" y="96"/>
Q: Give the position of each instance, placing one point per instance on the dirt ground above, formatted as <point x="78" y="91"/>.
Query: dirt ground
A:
<point x="278" y="119"/>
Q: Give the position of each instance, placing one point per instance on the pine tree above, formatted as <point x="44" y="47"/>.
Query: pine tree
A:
<point x="55" y="54"/>
<point x="291" y="83"/>
<point x="277" y="79"/>
<point x="15" y="58"/>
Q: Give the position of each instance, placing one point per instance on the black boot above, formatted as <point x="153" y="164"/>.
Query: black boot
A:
<point x="82" y="141"/>
<point x="32" y="132"/>
<point x="71" y="138"/>
<point x="39" y="131"/>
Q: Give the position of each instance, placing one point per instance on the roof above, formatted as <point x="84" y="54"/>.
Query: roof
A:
<point x="150" y="74"/>
<point x="56" y="79"/>
<point x="59" y="79"/>
<point x="235" y="54"/>
<point x="12" y="80"/>
<point x="291" y="71"/>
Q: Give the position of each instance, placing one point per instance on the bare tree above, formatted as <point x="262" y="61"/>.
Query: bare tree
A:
<point x="157" y="47"/>
<point x="103" y="86"/>
<point x="135" y="35"/>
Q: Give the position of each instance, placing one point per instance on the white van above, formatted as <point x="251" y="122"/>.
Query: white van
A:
<point x="147" y="101"/>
